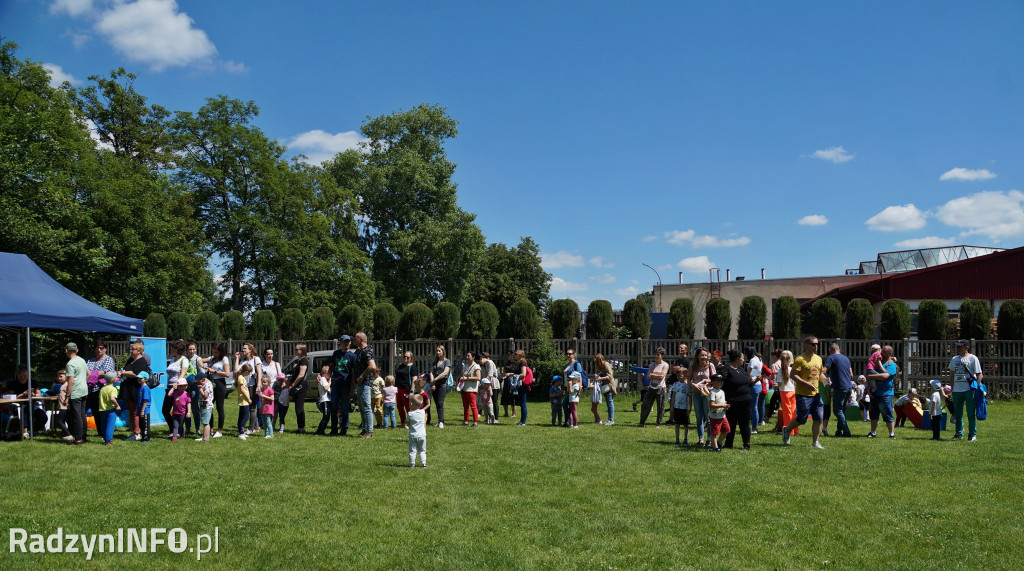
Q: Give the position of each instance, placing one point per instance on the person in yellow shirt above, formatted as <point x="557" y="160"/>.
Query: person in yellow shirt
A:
<point x="244" y="399"/>
<point x="108" y="409"/>
<point x="806" y="374"/>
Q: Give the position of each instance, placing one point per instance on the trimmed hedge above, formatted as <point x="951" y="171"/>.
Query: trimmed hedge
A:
<point x="522" y="320"/>
<point x="233" y="325"/>
<point x="599" y="319"/>
<point x="385" y="321"/>
<point x="415" y="321"/>
<point x="564" y="317"/>
<point x="446" y="320"/>
<point x="932" y="320"/>
<point x="717" y="318"/>
<point x="264" y="325"/>
<point x="155" y="325"/>
<point x="293" y="324"/>
<point x="351" y="320"/>
<point x="481" y="321"/>
<point x="860" y="319"/>
<point x="179" y="326"/>
<point x="1011" y="320"/>
<point x="827" y="318"/>
<point x="975" y="319"/>
<point x="753" y="317"/>
<point x="321" y="324"/>
<point x="786" y="318"/>
<point x="682" y="320"/>
<point x="895" y="319"/>
<point x="206" y="326"/>
<point x="637" y="318"/>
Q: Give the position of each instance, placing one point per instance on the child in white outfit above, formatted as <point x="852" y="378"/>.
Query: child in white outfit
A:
<point x="417" y="418"/>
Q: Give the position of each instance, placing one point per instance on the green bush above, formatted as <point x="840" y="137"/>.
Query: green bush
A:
<point x="975" y="319"/>
<point x="481" y="321"/>
<point x="827" y="318"/>
<point x="895" y="319"/>
<point x="522" y="320"/>
<point x="385" y="321"/>
<point x="564" y="316"/>
<point x="599" y="319"/>
<point x="351" y="320"/>
<point x="717" y="318"/>
<point x="753" y="317"/>
<point x="682" y="320"/>
<point x="264" y="326"/>
<point x="637" y="318"/>
<point x="179" y="326"/>
<point x="322" y="324"/>
<point x="786" y="318"/>
<point x="415" y="321"/>
<point x="155" y="325"/>
<point x="1011" y="320"/>
<point x="932" y="320"/>
<point x="446" y="321"/>
<point x="860" y="319"/>
<point x="233" y="325"/>
<point x="293" y="324"/>
<point x="206" y="326"/>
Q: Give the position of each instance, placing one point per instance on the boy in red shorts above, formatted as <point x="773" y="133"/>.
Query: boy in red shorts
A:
<point x="719" y="424"/>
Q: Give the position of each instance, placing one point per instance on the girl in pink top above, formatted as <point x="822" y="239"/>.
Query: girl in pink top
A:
<point x="179" y="408"/>
<point x="267" y="406"/>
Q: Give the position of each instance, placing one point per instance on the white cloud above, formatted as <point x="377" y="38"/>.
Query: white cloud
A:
<point x="94" y="134"/>
<point x="897" y="219"/>
<point x="235" y="67"/>
<point x="604" y="279"/>
<point x="156" y="33"/>
<point x="664" y="267"/>
<point x="650" y="238"/>
<point x="558" y="284"/>
<point x="319" y="145"/>
<point x="995" y="213"/>
<point x="813" y="220"/>
<point x="684" y="237"/>
<point x="634" y="282"/>
<point x="834" y="154"/>
<point x="78" y="39"/>
<point x="628" y="291"/>
<point x="698" y="264"/>
<point x="59" y="76"/>
<point x="73" y="8"/>
<point x="598" y="262"/>
<point x="967" y="174"/>
<point x="926" y="242"/>
<point x="561" y="259"/>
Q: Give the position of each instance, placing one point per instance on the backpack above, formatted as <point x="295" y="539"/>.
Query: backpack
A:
<point x="585" y="382"/>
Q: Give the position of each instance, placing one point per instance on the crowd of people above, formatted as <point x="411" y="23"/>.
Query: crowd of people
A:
<point x="726" y="393"/>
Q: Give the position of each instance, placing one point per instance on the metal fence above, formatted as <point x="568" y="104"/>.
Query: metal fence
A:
<point x="919" y="361"/>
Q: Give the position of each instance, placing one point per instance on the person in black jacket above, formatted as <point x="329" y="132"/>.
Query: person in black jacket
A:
<point x="736" y="385"/>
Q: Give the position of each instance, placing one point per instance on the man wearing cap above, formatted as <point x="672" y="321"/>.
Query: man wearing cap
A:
<point x="806" y="373"/>
<point x="341" y="374"/>
<point x="840" y="372"/>
<point x="964" y="372"/>
<point x="77" y="374"/>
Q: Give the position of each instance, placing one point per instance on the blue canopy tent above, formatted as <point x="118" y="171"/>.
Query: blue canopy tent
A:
<point x="29" y="298"/>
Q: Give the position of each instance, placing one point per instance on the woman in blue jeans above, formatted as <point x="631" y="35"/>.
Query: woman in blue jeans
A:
<point x="523" y="389"/>
<point x="699" y="378"/>
<point x="606" y="377"/>
<point x="753" y="368"/>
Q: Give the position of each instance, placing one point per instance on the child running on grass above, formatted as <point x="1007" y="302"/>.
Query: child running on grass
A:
<point x="244" y="399"/>
<point x="267" y="406"/>
<point x="417" y="419"/>
<point x="719" y="423"/>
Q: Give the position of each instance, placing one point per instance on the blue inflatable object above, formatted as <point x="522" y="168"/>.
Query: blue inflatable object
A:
<point x="121" y="420"/>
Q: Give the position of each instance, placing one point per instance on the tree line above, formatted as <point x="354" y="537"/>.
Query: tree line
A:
<point x="827" y="319"/>
<point x="146" y="210"/>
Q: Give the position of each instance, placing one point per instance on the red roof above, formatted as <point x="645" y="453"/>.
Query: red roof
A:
<point x="993" y="277"/>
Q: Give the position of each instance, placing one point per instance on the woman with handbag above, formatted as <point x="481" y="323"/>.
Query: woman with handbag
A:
<point x="608" y="387"/>
<point x="508" y="394"/>
<point x="440" y="374"/>
<point x="272" y="369"/>
<point x="297" y="387"/>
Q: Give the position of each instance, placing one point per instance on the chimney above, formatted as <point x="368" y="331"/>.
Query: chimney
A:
<point x="728" y="272"/>
<point x="680" y="277"/>
<point x="762" y="273"/>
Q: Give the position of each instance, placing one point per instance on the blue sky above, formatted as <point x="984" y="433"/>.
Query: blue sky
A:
<point x="799" y="137"/>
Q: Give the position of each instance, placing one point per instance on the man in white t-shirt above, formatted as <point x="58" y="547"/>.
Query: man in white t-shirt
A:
<point x="964" y="369"/>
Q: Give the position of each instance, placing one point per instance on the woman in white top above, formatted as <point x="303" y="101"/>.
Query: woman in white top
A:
<point x="787" y="391"/>
<point x="656" y="373"/>
<point x="470" y="381"/>
<point x="699" y="379"/>
<point x="756" y="394"/>
<point x="218" y="370"/>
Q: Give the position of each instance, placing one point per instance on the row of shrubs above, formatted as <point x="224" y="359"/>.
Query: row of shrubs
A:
<point x="825" y="317"/>
<point x="445" y="320"/>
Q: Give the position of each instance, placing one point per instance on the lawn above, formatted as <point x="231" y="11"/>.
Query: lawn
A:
<point x="505" y="496"/>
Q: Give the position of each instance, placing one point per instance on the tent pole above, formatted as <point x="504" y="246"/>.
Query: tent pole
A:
<point x="28" y="360"/>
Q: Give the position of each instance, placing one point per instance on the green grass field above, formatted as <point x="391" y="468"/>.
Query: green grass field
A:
<point x="536" y="497"/>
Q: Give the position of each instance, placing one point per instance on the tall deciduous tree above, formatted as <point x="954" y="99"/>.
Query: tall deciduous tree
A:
<point x="422" y="244"/>
<point x="503" y="276"/>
